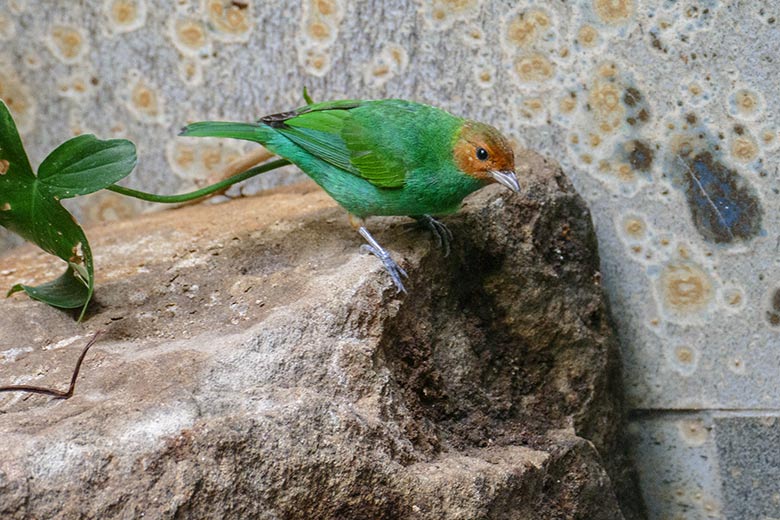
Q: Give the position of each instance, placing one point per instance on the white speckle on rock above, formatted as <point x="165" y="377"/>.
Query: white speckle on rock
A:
<point x="192" y="261"/>
<point x="157" y="424"/>
<point x="12" y="354"/>
<point x="63" y="343"/>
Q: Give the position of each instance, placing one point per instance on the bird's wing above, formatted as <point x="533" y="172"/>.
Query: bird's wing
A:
<point x="347" y="139"/>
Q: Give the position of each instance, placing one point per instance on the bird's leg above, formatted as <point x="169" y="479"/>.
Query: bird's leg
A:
<point x="441" y="233"/>
<point x="393" y="269"/>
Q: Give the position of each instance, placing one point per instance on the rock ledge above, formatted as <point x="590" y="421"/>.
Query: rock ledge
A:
<point x="255" y="365"/>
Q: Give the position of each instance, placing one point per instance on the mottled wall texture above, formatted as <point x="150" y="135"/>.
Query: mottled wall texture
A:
<point x="663" y="113"/>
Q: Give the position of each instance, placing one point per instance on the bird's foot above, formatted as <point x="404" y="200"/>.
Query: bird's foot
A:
<point x="393" y="269"/>
<point x="441" y="233"/>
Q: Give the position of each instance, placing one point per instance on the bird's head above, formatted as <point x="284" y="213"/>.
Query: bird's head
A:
<point x="483" y="153"/>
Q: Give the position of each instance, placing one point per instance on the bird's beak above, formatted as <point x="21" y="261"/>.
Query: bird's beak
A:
<point x="507" y="178"/>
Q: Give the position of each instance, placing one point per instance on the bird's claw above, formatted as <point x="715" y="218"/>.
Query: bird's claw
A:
<point x="393" y="269"/>
<point x="441" y="233"/>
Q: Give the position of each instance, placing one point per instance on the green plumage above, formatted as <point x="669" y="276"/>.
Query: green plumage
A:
<point x="385" y="157"/>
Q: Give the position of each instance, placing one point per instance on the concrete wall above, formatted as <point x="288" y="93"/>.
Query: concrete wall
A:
<point x="662" y="112"/>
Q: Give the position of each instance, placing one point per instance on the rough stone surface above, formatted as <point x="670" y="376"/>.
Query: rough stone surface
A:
<point x="663" y="113"/>
<point x="255" y="365"/>
<point x="747" y="448"/>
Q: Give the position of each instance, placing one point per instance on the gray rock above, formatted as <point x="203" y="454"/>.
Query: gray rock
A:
<point x="255" y="365"/>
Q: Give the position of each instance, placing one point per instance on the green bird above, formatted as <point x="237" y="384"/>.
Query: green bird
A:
<point x="383" y="157"/>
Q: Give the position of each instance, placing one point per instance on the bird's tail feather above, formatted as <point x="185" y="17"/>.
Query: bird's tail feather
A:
<point x="247" y="131"/>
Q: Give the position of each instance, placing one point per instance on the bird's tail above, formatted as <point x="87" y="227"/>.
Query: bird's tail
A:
<point x="246" y="131"/>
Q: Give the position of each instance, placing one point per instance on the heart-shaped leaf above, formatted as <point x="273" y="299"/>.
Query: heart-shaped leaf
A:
<point x="86" y="164"/>
<point x="30" y="206"/>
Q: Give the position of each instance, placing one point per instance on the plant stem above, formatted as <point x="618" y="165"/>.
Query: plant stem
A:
<point x="208" y="190"/>
<point x="57" y="394"/>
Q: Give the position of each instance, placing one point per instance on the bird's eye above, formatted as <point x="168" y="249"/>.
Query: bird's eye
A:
<point x="482" y="154"/>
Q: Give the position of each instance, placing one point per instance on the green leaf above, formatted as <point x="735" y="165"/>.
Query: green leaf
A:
<point x="30" y="206"/>
<point x="67" y="292"/>
<point x="86" y="164"/>
<point x="307" y="97"/>
<point x="12" y="154"/>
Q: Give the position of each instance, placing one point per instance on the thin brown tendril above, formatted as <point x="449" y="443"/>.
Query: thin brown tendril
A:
<point x="57" y="394"/>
